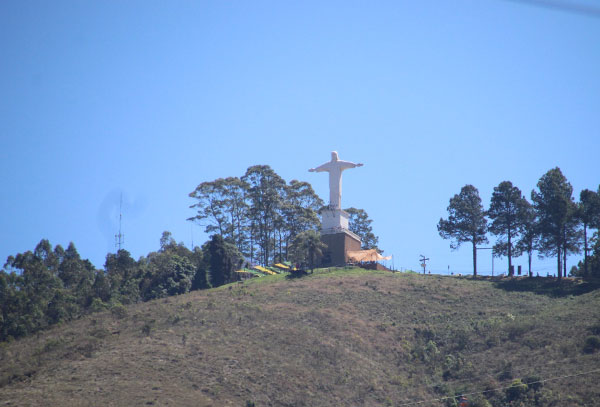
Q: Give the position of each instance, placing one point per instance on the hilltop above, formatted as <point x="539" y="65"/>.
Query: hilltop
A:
<point x="337" y="337"/>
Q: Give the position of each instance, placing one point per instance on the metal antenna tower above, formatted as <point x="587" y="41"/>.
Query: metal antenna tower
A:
<point x="120" y="237"/>
<point x="192" y="233"/>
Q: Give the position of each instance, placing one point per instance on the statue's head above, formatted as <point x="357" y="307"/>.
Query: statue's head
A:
<point x="334" y="156"/>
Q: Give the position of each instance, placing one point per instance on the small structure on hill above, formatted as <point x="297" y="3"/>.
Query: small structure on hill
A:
<point x="334" y="221"/>
<point x="368" y="259"/>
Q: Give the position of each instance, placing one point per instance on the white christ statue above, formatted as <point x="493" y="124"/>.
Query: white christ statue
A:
<point x="335" y="168"/>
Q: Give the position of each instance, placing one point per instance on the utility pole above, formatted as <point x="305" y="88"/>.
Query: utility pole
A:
<point x="120" y="238"/>
<point x="423" y="261"/>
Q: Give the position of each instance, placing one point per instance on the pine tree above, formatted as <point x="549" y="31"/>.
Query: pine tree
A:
<point x="506" y="213"/>
<point x="552" y="205"/>
<point x="588" y="212"/>
<point x="466" y="221"/>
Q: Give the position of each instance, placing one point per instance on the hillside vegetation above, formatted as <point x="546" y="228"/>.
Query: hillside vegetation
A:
<point x="336" y="337"/>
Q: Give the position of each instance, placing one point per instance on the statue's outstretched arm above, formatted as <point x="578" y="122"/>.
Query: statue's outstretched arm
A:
<point x="321" y="168"/>
<point x="347" y="164"/>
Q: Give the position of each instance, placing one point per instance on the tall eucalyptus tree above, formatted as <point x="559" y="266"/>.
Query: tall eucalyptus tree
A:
<point x="265" y="191"/>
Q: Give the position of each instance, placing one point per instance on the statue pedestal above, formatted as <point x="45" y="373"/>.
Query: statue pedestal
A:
<point x="338" y="238"/>
<point x="334" y="221"/>
<point x="338" y="244"/>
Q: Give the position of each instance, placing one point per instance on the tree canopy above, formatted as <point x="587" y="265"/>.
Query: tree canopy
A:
<point x="553" y="225"/>
<point x="43" y="287"/>
<point x="259" y="213"/>
<point x="48" y="285"/>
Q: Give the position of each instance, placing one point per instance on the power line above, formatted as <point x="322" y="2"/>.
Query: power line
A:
<point x="576" y="8"/>
<point x="500" y="388"/>
<point x="539" y="366"/>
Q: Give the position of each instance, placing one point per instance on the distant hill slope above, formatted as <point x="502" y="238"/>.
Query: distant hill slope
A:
<point x="340" y="337"/>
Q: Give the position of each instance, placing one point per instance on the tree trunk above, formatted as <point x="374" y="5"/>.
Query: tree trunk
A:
<point x="232" y="231"/>
<point x="565" y="259"/>
<point x="474" y="259"/>
<point x="585" y="250"/>
<point x="280" y="245"/>
<point x="510" y="269"/>
<point x="529" y="253"/>
<point x="558" y="254"/>
<point x="267" y="243"/>
<point x="287" y="247"/>
<point x="251" y="243"/>
<point x="564" y="252"/>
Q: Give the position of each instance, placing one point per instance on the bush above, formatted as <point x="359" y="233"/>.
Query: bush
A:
<point x="516" y="390"/>
<point x="297" y="273"/>
<point x="479" y="401"/>
<point x="534" y="381"/>
<point x="147" y="327"/>
<point x="52" y="344"/>
<point x="118" y="311"/>
<point x="591" y="345"/>
<point x="516" y="330"/>
<point x="98" y="305"/>
<point x="595" y="329"/>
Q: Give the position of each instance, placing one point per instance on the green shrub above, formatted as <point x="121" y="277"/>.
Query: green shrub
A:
<point x="479" y="401"/>
<point x="516" y="330"/>
<point x="506" y="371"/>
<point x="87" y="346"/>
<point x="98" y="305"/>
<point x="100" y="332"/>
<point x="516" y="390"/>
<point x="451" y="402"/>
<point x="534" y="381"/>
<point x="461" y="339"/>
<point x="147" y="327"/>
<point x="52" y="344"/>
<point x="592" y="344"/>
<point x="595" y="329"/>
<point x="174" y="319"/>
<point x="118" y="311"/>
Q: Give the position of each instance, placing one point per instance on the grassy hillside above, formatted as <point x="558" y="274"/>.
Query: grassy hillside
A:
<point x="337" y="337"/>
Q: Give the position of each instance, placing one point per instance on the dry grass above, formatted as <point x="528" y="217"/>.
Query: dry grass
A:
<point x="337" y="337"/>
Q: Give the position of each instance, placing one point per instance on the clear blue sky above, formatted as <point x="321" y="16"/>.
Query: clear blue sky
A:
<point x="151" y="98"/>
